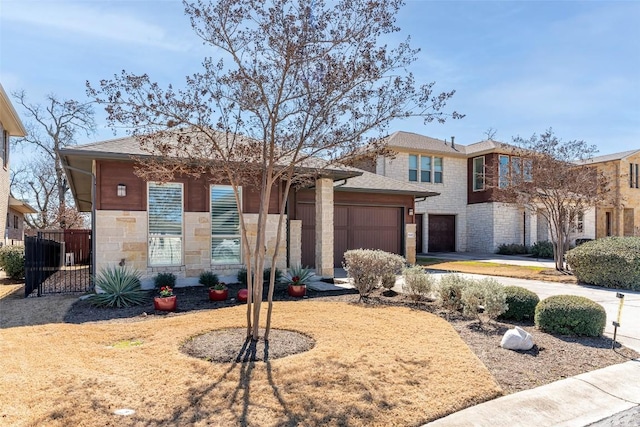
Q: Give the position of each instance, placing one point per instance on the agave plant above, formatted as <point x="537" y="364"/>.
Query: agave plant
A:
<point x="297" y="275"/>
<point x="119" y="287"/>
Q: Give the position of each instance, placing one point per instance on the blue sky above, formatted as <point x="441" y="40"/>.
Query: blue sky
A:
<point x="518" y="67"/>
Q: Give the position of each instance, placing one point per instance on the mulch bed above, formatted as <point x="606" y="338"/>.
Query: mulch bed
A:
<point x="554" y="357"/>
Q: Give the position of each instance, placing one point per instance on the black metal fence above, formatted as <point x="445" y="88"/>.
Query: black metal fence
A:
<point x="58" y="262"/>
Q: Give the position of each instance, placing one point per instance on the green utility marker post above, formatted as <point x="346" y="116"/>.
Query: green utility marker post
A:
<point x="616" y="323"/>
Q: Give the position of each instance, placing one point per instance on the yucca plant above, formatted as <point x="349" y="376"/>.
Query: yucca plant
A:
<point x="119" y="287"/>
<point x="297" y="275"/>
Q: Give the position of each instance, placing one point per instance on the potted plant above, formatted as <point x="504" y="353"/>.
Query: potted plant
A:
<point x="297" y="279"/>
<point x="166" y="301"/>
<point x="217" y="290"/>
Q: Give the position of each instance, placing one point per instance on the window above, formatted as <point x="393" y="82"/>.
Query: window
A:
<point x="503" y="173"/>
<point x="413" y="168"/>
<point x="429" y="170"/>
<point x="478" y="173"/>
<point x="425" y="168"/>
<point x="15" y="222"/>
<point x="4" y="146"/>
<point x="437" y="170"/>
<point x="580" y="222"/>
<point x="634" y="173"/>
<point x="527" y="174"/>
<point x="165" y="224"/>
<point x="516" y="170"/>
<point x="225" y="226"/>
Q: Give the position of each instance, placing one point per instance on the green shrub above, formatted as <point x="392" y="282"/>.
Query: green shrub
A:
<point x="486" y="293"/>
<point x="612" y="262"/>
<point x="118" y="287"/>
<point x="521" y="303"/>
<point x="241" y="276"/>
<point x="367" y="268"/>
<point x="208" y="279"/>
<point x="570" y="315"/>
<point x="450" y="291"/>
<point x="417" y="283"/>
<point x="512" y="249"/>
<point x="297" y="275"/>
<point x="165" y="279"/>
<point x="388" y="280"/>
<point x="543" y="249"/>
<point x="12" y="261"/>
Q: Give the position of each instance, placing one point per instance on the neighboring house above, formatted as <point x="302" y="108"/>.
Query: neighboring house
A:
<point x="622" y="216"/>
<point x="464" y="216"/>
<point x="189" y="226"/>
<point x="14" y="234"/>
<point x="10" y="125"/>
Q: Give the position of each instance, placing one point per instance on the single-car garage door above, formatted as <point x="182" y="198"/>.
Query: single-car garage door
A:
<point x="442" y="233"/>
<point x="368" y="227"/>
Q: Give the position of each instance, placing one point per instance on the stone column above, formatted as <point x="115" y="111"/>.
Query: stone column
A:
<point x="410" y="243"/>
<point x="324" y="227"/>
<point x="295" y="242"/>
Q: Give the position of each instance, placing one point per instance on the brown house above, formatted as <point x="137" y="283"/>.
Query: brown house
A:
<point x="190" y="225"/>
<point x="622" y="217"/>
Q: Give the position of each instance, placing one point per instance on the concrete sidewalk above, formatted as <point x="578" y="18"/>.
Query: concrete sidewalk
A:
<point x="607" y="397"/>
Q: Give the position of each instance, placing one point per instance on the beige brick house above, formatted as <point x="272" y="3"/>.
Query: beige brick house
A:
<point x="464" y="215"/>
<point x="190" y="225"/>
<point x="10" y="125"/>
<point x="622" y="216"/>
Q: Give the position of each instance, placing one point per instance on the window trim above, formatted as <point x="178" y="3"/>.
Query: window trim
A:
<point x="223" y="236"/>
<point x="417" y="168"/>
<point x="475" y="173"/>
<point x="149" y="234"/>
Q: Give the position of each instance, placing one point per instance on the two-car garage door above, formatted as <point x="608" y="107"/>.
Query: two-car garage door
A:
<point x="368" y="227"/>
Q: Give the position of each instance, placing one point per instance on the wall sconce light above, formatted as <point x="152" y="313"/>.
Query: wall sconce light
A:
<point x="410" y="211"/>
<point x="122" y="190"/>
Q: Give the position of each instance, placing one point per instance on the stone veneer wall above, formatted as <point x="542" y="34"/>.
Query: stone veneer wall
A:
<point x="295" y="242"/>
<point x="324" y="227"/>
<point x="410" y="243"/>
<point x="123" y="235"/>
<point x="480" y="227"/>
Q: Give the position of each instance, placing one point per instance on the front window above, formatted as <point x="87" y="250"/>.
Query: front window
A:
<point x="516" y="170"/>
<point x="503" y="175"/>
<point x="165" y="224"/>
<point x="478" y="174"/>
<point x="580" y="222"/>
<point x="437" y="170"/>
<point x="527" y="174"/>
<point x="634" y="175"/>
<point x="425" y="168"/>
<point x="225" y="226"/>
<point x="413" y="168"/>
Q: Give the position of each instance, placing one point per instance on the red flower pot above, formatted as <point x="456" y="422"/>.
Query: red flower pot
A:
<point x="218" y="294"/>
<point x="297" y="291"/>
<point x="242" y="295"/>
<point x="165" y="303"/>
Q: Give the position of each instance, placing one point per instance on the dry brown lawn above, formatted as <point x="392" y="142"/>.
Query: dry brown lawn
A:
<point x="370" y="366"/>
<point x="504" y="270"/>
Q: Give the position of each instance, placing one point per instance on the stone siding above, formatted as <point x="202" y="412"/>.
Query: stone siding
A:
<point x="295" y="242"/>
<point x="410" y="243"/>
<point x="324" y="227"/>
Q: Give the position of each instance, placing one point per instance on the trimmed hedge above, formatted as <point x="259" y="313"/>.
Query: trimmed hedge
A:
<point x="570" y="315"/>
<point x="522" y="303"/>
<point x="612" y="262"/>
<point x="542" y="249"/>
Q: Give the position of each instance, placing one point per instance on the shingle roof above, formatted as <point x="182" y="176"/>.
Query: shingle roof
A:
<point x="413" y="141"/>
<point x="373" y="183"/>
<point x="610" y="157"/>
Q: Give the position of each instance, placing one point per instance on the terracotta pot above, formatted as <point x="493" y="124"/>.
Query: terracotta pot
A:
<point x="165" y="303"/>
<point x="242" y="295"/>
<point x="297" y="290"/>
<point x="218" y="294"/>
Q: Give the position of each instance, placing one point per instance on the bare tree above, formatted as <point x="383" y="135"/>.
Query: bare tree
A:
<point x="35" y="181"/>
<point x="550" y="176"/>
<point x="490" y="134"/>
<point x="53" y="126"/>
<point x="297" y="87"/>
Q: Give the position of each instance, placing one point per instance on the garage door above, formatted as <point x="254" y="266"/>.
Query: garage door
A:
<point x="368" y="227"/>
<point x="442" y="233"/>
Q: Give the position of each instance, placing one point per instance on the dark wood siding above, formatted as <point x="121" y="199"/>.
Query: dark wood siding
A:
<point x="442" y="233"/>
<point x="196" y="191"/>
<point x="491" y="168"/>
<point x="361" y="220"/>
